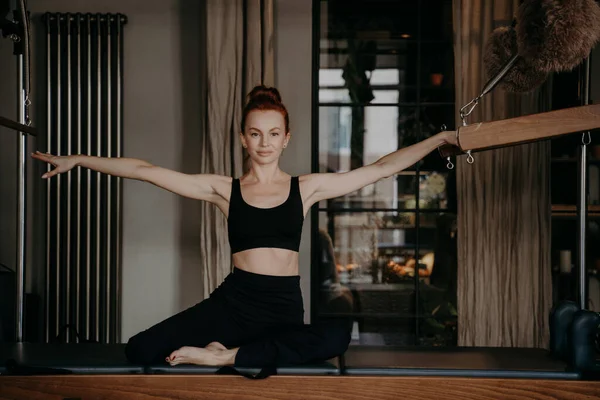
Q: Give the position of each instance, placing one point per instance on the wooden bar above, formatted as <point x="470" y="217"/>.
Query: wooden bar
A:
<point x="154" y="387"/>
<point x="7" y="123"/>
<point x="529" y="128"/>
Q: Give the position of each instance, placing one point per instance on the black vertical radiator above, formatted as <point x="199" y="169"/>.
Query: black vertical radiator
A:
<point x="84" y="62"/>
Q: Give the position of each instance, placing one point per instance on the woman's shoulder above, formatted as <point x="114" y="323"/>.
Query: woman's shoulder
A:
<point x="310" y="179"/>
<point x="222" y="184"/>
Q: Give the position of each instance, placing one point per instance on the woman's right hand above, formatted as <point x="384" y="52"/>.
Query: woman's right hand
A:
<point x="62" y="163"/>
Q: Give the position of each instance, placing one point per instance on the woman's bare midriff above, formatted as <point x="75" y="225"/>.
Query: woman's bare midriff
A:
<point x="267" y="261"/>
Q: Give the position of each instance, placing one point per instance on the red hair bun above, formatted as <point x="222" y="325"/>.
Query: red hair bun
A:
<point x="265" y="98"/>
<point x="263" y="93"/>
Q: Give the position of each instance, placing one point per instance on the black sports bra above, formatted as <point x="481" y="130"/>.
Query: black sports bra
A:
<point x="276" y="227"/>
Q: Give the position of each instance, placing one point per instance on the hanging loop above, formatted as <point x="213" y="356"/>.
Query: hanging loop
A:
<point x="449" y="165"/>
<point x="467" y="109"/>
<point x="586" y="138"/>
<point x="470" y="158"/>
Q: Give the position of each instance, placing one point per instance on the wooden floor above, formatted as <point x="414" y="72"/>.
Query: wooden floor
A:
<point x="102" y="372"/>
<point x="154" y="387"/>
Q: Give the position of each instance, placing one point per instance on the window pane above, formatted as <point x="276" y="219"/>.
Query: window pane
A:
<point x="436" y="19"/>
<point x="366" y="271"/>
<point x="373" y="247"/>
<point x="396" y="192"/>
<point x="386" y="81"/>
<point x="437" y="290"/>
<point x="378" y="18"/>
<point x="437" y="72"/>
<point x="349" y="277"/>
<point x="437" y="90"/>
<point x="433" y="117"/>
<point x="357" y="136"/>
<point x="356" y="240"/>
<point x="433" y="190"/>
<point x="331" y="77"/>
<point x="336" y="95"/>
<point x="379" y="86"/>
<point x="335" y="77"/>
<point x="354" y="56"/>
<point x="385" y="77"/>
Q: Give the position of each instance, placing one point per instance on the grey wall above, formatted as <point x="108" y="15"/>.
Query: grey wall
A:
<point x="8" y="157"/>
<point x="162" y="124"/>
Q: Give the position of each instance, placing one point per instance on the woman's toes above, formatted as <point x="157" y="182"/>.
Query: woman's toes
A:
<point x="173" y="356"/>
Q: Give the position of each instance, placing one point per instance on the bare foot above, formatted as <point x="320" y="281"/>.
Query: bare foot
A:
<point x="215" y="354"/>
<point x="215" y="346"/>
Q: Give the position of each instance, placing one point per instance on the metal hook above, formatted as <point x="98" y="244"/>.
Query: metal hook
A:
<point x="470" y="158"/>
<point x="471" y="106"/>
<point x="586" y="138"/>
<point x="449" y="165"/>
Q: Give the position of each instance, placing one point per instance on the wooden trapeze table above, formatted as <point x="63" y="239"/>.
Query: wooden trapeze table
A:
<point x="101" y="371"/>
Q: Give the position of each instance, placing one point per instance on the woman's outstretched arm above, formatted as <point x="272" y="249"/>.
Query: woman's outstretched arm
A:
<point x="324" y="186"/>
<point x="201" y="186"/>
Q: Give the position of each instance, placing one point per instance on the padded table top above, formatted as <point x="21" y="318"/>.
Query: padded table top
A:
<point x="456" y="361"/>
<point x="84" y="358"/>
<point x="94" y="358"/>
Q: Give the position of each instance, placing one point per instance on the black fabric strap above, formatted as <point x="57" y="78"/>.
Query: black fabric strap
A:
<point x="235" y="189"/>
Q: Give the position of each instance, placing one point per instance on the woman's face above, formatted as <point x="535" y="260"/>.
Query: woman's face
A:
<point x="265" y="137"/>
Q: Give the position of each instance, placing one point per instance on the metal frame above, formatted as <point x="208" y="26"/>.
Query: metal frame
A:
<point x="17" y="126"/>
<point x="582" y="200"/>
<point x="18" y="31"/>
<point x="314" y="215"/>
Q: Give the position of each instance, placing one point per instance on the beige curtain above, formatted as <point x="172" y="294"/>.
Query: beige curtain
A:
<point x="239" y="55"/>
<point x="504" y="282"/>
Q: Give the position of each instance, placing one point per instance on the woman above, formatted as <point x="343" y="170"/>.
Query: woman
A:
<point x="255" y="317"/>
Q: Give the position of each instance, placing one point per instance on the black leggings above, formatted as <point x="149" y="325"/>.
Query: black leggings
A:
<point x="261" y="314"/>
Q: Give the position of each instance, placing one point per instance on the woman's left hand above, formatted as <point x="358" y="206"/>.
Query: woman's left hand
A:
<point x="450" y="137"/>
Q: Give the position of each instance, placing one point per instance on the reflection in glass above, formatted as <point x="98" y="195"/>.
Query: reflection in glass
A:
<point x="433" y="192"/>
<point x="387" y="255"/>
<point x="394" y="193"/>
<point x="369" y="263"/>
<point x="380" y="247"/>
<point x="342" y="96"/>
<point x="437" y="293"/>
<point x="342" y="19"/>
<point x="357" y="136"/>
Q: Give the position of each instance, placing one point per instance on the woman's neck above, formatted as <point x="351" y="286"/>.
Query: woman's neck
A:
<point x="265" y="173"/>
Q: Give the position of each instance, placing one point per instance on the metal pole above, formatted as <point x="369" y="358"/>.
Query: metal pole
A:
<point x="582" y="195"/>
<point x="21" y="203"/>
<point x="582" y="218"/>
